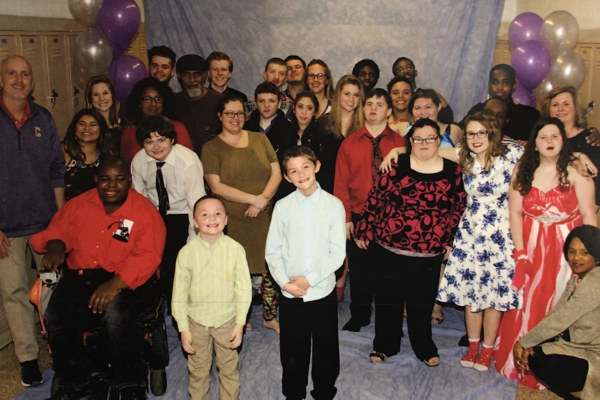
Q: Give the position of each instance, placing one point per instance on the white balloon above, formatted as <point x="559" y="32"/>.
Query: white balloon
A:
<point x="93" y="52"/>
<point x="560" y="32"/>
<point x="568" y="69"/>
<point x="85" y="11"/>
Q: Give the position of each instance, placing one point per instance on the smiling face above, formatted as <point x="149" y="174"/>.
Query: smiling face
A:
<point x="501" y="86"/>
<point x="579" y="259"/>
<point x="219" y="74"/>
<point x="563" y="108"/>
<point x="87" y="129"/>
<point x="316" y="78"/>
<point x="113" y="184"/>
<point x="424" y="151"/>
<point x="295" y="72"/>
<point x="101" y="97"/>
<point x="210" y="217"/>
<point x="476" y="143"/>
<point x="276" y="74"/>
<point x="376" y="110"/>
<point x="368" y="77"/>
<point x="406" y="69"/>
<point x="549" y="141"/>
<point x="232" y="117"/>
<point x="401" y="94"/>
<point x="267" y="104"/>
<point x="16" y="78"/>
<point x="161" y="68"/>
<point x="425" y="108"/>
<point x="151" y="102"/>
<point x="305" y="111"/>
<point x="301" y="172"/>
<point x="158" y="147"/>
<point x="349" y="97"/>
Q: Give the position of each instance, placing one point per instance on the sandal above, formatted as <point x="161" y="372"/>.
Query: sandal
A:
<point x="375" y="354"/>
<point x="432" y="362"/>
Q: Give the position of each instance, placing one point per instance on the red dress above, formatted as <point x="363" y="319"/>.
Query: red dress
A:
<point x="548" y="217"/>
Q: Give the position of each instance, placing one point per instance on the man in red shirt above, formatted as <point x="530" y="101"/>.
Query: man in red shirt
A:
<point x="356" y="170"/>
<point x="115" y="238"/>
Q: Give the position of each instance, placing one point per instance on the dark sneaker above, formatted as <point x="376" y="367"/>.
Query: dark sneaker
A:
<point x="30" y="373"/>
<point x="353" y="325"/>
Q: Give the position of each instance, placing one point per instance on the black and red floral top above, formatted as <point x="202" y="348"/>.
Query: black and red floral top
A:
<point x="414" y="212"/>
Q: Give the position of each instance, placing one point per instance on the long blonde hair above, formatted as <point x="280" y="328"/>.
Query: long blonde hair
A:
<point x="334" y="122"/>
<point x="496" y="149"/>
<point x="580" y="117"/>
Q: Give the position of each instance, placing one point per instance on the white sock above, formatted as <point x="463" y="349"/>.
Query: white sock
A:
<point x="474" y="340"/>
<point x="488" y="347"/>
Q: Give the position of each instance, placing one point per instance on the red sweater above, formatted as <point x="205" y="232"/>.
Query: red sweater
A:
<point x="353" y="169"/>
<point x="87" y="232"/>
<point x="129" y="146"/>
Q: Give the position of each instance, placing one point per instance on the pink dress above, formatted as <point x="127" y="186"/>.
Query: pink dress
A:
<point x="548" y="217"/>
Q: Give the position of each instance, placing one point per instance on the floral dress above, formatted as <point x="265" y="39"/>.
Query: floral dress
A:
<point x="480" y="268"/>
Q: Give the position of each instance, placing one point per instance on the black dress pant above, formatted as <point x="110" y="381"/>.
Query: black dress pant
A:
<point x="302" y="323"/>
<point x="360" y="271"/>
<point x="561" y="374"/>
<point x="177" y="235"/>
<point x="68" y="317"/>
<point x="401" y="279"/>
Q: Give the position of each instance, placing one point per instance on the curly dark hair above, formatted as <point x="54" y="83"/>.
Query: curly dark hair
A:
<point x="496" y="148"/>
<point x="134" y="102"/>
<point x="530" y="160"/>
<point x="104" y="145"/>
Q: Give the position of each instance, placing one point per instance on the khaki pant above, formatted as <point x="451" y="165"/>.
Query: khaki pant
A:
<point x="200" y="363"/>
<point x="16" y="279"/>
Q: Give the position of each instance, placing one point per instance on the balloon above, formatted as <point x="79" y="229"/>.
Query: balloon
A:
<point x="525" y="26"/>
<point x="541" y="92"/>
<point x="560" y="32"/>
<point x="568" y="69"/>
<point x="81" y="76"/>
<point x="125" y="72"/>
<point x="531" y="62"/>
<point x="85" y="11"/>
<point x="93" y="52"/>
<point x="522" y="95"/>
<point x="119" y="20"/>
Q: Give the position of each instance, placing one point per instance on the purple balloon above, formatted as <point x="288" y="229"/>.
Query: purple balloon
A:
<point x="522" y="95"/>
<point x="119" y="20"/>
<point x="531" y="61"/>
<point x="526" y="26"/>
<point x="125" y="72"/>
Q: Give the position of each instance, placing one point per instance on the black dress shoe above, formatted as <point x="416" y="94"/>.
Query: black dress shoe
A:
<point x="353" y="325"/>
<point x="464" y="341"/>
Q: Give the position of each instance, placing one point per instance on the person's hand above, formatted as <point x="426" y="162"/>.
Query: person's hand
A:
<point x="186" y="342"/>
<point x="293" y="289"/>
<point x="584" y="166"/>
<point x="521" y="357"/>
<point x="386" y="164"/>
<point x="252" y="212"/>
<point x="522" y="143"/>
<point x="260" y="202"/>
<point x="594" y="137"/>
<point x="4" y="243"/>
<point x="236" y="336"/>
<point x="349" y="230"/>
<point x="105" y="293"/>
<point x="55" y="255"/>
<point x="300" y="281"/>
<point x="361" y="244"/>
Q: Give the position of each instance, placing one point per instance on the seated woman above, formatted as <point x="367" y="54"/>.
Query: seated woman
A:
<point x="401" y="94"/>
<point x="100" y="95"/>
<point x="87" y="140"/>
<point x="320" y="82"/>
<point x="150" y="97"/>
<point x="562" y="350"/>
<point x="424" y="195"/>
<point x="425" y="103"/>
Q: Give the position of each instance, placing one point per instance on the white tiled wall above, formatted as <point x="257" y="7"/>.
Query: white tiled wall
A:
<point x="42" y="8"/>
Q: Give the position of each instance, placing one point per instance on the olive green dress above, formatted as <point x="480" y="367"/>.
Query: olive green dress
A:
<point x="247" y="169"/>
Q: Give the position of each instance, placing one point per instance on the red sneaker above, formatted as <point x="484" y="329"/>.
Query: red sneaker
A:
<point x="469" y="359"/>
<point x="485" y="359"/>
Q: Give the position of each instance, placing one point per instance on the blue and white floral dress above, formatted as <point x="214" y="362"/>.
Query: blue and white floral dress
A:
<point x="480" y="268"/>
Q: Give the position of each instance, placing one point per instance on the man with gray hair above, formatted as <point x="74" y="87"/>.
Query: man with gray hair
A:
<point x="31" y="190"/>
<point x="195" y="105"/>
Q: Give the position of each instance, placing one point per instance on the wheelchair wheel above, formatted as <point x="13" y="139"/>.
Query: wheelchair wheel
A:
<point x="160" y="346"/>
<point x="158" y="381"/>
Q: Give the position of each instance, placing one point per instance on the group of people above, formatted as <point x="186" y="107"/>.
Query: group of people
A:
<point x="311" y="184"/>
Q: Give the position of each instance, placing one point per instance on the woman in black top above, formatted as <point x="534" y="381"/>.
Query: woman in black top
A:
<point x="100" y="95"/>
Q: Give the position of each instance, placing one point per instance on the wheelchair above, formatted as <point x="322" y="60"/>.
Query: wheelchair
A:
<point x="155" y="345"/>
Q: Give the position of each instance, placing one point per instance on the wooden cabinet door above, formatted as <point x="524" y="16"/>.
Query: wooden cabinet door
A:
<point x="32" y="50"/>
<point x="8" y="46"/>
<point x="59" y="81"/>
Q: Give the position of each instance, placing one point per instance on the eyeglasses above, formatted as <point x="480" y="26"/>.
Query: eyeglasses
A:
<point x="480" y="135"/>
<point x="318" y="77"/>
<point x="232" y="115"/>
<point x="148" y="99"/>
<point x="193" y="74"/>
<point x="419" y="140"/>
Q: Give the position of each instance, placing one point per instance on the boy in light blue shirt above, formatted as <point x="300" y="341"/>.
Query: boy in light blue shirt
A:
<point x="306" y="244"/>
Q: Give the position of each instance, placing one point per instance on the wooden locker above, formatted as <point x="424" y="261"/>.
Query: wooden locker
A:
<point x="586" y="51"/>
<point x="59" y="81"/>
<point x="78" y="93"/>
<point x="8" y="46"/>
<point x="32" y="50"/>
<point x="502" y="53"/>
<point x="594" y="72"/>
